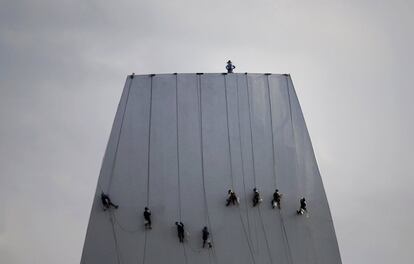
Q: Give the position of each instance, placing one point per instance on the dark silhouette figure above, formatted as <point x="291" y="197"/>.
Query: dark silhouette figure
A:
<point x="147" y="218"/>
<point x="256" y="197"/>
<point x="302" y="208"/>
<point x="232" y="198"/>
<point x="276" y="199"/>
<point x="230" y="67"/>
<point x="206" y="235"/>
<point x="180" y="231"/>
<point x="106" y="202"/>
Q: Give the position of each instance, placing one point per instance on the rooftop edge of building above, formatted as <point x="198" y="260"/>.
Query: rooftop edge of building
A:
<point x="209" y="73"/>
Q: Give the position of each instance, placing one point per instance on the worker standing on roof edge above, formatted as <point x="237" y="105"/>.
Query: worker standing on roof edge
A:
<point x="106" y="202"/>
<point x="276" y="199"/>
<point x="206" y="235"/>
<point x="232" y="198"/>
<point x="147" y="218"/>
<point x="230" y="67"/>
<point x="256" y="197"/>
<point x="180" y="231"/>
<point x="302" y="208"/>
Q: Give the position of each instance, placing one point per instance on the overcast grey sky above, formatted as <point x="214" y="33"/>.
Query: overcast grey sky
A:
<point x="63" y="65"/>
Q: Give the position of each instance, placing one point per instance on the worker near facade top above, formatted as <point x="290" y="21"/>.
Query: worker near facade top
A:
<point x="230" y="67"/>
<point x="106" y="202"/>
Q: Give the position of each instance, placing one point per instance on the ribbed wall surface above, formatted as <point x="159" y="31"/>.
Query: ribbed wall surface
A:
<point x="178" y="143"/>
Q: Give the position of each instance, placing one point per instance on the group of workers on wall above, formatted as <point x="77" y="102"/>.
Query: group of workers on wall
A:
<point x="232" y="199"/>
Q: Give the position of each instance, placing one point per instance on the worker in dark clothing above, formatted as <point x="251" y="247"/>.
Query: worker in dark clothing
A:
<point x="276" y="199"/>
<point x="206" y="235"/>
<point x="302" y="208"/>
<point x="147" y="218"/>
<point x="106" y="202"/>
<point x="230" y="67"/>
<point x="256" y="197"/>
<point x="232" y="198"/>
<point x="180" y="231"/>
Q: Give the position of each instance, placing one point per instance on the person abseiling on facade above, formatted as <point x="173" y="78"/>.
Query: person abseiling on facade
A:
<point x="232" y="198"/>
<point x="147" y="218"/>
<point x="180" y="231"/>
<point x="302" y="208"/>
<point x="205" y="236"/>
<point x="256" y="197"/>
<point x="276" y="199"/>
<point x="106" y="202"/>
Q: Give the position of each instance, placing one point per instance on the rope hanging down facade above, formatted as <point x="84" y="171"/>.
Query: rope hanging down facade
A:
<point x="144" y="255"/>
<point x="287" y="246"/>
<point x="111" y="215"/>
<point x="119" y="138"/>
<point x="206" y="211"/>
<point x="254" y="168"/>
<point x="178" y="160"/>
<point x="231" y="167"/>
<point x="242" y="160"/>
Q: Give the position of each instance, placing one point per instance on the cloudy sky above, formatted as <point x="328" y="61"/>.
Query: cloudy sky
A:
<point x="63" y="65"/>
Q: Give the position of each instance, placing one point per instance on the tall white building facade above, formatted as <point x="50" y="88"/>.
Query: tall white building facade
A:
<point x="179" y="142"/>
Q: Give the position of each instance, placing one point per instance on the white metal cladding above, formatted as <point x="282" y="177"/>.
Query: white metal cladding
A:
<point x="235" y="131"/>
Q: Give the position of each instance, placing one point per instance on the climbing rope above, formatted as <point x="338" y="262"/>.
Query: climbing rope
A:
<point x="118" y="256"/>
<point x="113" y="170"/>
<point x="231" y="165"/>
<point x="242" y="159"/>
<point x="251" y="130"/>
<point x="253" y="164"/>
<point x="264" y="232"/>
<point x="289" y="253"/>
<point x="178" y="146"/>
<point x="228" y="133"/>
<point x="206" y="212"/>
<point x="119" y="138"/>
<point x="144" y="255"/>
<point x="178" y="159"/>
<point x="149" y="141"/>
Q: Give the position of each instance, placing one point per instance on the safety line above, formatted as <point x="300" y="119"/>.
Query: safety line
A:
<point x="115" y="238"/>
<point x="242" y="159"/>
<point x="289" y="255"/>
<point x="231" y="165"/>
<point x="264" y="232"/>
<point x="119" y="137"/>
<point x="200" y="111"/>
<point x="178" y="158"/>
<point x="178" y="146"/>
<point x="228" y="133"/>
<point x="254" y="169"/>
<point x="271" y="130"/>
<point x="149" y="142"/>
<point x="252" y="147"/>
<point x="148" y="163"/>
<point x="286" y="237"/>
<point x="251" y="130"/>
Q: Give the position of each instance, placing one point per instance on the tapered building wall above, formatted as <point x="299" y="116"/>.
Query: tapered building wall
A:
<point x="178" y="143"/>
